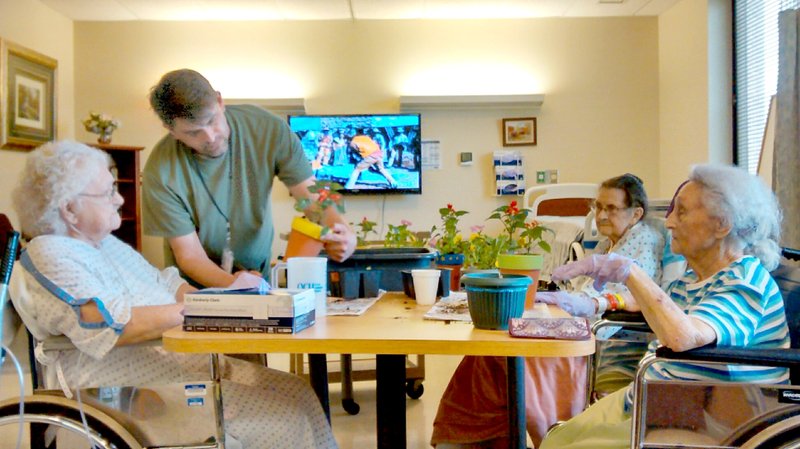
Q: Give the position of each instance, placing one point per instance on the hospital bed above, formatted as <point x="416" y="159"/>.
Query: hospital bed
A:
<point x="565" y="209"/>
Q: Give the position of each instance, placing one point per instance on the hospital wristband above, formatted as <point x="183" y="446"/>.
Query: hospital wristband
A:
<point x="620" y="300"/>
<point x="612" y="301"/>
<point x="602" y="304"/>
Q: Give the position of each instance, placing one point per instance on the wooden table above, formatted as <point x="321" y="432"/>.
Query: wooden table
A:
<point x="392" y="328"/>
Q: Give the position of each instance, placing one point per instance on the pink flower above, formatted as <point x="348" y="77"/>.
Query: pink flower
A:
<point x="405" y="222"/>
<point x="476" y="228"/>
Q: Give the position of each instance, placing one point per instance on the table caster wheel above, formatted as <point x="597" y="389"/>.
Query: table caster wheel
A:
<point x="414" y="388"/>
<point x="350" y="406"/>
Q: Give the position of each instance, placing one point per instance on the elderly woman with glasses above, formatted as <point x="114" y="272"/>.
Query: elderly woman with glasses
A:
<point x="87" y="285"/>
<point x="473" y="409"/>
<point x="726" y="224"/>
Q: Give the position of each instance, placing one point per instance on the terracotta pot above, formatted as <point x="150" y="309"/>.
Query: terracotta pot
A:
<point x="304" y="239"/>
<point x="526" y="264"/>
<point x="452" y="262"/>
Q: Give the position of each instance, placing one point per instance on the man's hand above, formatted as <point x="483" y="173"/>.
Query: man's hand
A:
<point x="603" y="268"/>
<point x="340" y="242"/>
<point x="573" y="304"/>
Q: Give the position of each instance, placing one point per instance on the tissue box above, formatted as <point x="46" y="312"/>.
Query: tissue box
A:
<point x="279" y="311"/>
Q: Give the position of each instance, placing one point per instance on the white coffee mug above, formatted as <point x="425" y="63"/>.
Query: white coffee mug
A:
<point x="306" y="273"/>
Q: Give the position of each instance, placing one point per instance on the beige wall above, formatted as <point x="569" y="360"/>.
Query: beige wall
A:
<point x="695" y="88"/>
<point x="32" y="25"/>
<point x="599" y="76"/>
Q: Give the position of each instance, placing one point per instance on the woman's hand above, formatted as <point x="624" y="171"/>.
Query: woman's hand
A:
<point x="573" y="304"/>
<point x="603" y="268"/>
<point x="247" y="279"/>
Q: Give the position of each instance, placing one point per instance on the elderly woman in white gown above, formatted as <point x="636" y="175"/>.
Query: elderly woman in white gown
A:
<point x="68" y="204"/>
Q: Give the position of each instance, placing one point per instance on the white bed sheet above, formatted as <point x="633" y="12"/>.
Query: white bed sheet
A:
<point x="566" y="230"/>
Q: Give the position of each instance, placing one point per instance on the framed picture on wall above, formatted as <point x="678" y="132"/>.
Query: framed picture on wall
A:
<point x="519" y="131"/>
<point x="27" y="96"/>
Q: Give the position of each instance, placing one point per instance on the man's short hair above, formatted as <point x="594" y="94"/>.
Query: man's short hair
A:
<point x="184" y="94"/>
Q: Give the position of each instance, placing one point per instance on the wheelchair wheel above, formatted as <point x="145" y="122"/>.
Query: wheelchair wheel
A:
<point x="44" y="410"/>
<point x="777" y="430"/>
<point x="414" y="388"/>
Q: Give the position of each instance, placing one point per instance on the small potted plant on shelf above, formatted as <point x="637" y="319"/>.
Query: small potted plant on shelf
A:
<point x="522" y="241"/>
<point x="364" y="229"/>
<point x="304" y="238"/>
<point x="447" y="240"/>
<point x="102" y="125"/>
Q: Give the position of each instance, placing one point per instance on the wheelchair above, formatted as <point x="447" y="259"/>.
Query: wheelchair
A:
<point x="682" y="414"/>
<point x="169" y="415"/>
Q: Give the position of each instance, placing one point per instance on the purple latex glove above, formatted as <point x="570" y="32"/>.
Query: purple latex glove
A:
<point x="602" y="267"/>
<point x="575" y="304"/>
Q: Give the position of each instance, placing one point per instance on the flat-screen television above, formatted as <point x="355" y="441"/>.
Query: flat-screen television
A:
<point x="367" y="154"/>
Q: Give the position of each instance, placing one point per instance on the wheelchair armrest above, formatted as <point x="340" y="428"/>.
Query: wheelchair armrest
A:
<point x="746" y="356"/>
<point x="621" y="315"/>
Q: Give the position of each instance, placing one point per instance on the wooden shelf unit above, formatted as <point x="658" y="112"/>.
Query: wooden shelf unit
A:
<point x="127" y="169"/>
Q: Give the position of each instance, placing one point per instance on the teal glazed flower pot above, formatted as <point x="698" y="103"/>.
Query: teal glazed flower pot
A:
<point x="494" y="299"/>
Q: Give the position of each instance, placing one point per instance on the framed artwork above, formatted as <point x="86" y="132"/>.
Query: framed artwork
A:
<point x="27" y="97"/>
<point x="519" y="131"/>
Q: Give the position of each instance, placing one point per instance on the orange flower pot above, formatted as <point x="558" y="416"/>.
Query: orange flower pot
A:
<point x="304" y="239"/>
<point x="526" y="264"/>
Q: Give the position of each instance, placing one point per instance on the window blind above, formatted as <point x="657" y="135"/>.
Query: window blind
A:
<point x="755" y="34"/>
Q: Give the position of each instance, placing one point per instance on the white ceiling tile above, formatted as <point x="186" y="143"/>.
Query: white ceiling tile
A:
<point x="90" y="9"/>
<point x="656" y="7"/>
<point x="387" y="9"/>
<point x="204" y="9"/>
<point x="110" y="10"/>
<point x="314" y="9"/>
<point x="593" y="8"/>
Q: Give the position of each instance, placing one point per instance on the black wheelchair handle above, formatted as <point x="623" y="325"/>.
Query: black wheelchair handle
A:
<point x="745" y="356"/>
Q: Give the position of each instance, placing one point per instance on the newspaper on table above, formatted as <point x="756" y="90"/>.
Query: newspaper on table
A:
<point x="352" y="307"/>
<point x="455" y="308"/>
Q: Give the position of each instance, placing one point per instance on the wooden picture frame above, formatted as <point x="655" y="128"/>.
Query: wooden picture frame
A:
<point x="519" y="131"/>
<point x="27" y="97"/>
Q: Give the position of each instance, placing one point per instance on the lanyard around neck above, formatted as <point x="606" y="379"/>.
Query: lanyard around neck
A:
<point x="208" y="191"/>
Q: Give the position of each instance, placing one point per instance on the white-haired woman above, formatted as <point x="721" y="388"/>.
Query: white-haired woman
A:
<point x="68" y="204"/>
<point x="726" y="224"/>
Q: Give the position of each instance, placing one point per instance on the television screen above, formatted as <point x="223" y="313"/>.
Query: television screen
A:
<point x="367" y="154"/>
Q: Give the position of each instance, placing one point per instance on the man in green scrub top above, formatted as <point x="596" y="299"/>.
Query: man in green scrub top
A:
<point x="207" y="184"/>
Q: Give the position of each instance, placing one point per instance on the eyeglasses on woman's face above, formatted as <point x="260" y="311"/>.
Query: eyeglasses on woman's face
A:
<point x="109" y="194"/>
<point x="610" y="209"/>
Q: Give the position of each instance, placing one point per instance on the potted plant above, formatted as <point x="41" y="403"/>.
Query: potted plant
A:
<point x="449" y="243"/>
<point x="304" y="238"/>
<point x="522" y="241"/>
<point x="364" y="228"/>
<point x="401" y="236"/>
<point x="482" y="250"/>
<point x="102" y="125"/>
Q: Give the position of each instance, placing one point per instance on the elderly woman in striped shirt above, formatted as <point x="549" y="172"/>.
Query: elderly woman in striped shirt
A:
<point x="726" y="224"/>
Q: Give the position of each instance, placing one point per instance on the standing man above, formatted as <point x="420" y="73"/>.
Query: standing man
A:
<point x="207" y="184"/>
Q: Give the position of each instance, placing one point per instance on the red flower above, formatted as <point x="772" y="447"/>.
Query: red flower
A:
<point x="449" y="206"/>
<point x="512" y="208"/>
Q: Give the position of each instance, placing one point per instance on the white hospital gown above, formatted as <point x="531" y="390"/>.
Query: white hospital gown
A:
<point x="264" y="408"/>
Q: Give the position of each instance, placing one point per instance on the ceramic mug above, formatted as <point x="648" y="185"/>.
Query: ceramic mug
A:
<point x="306" y="273"/>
